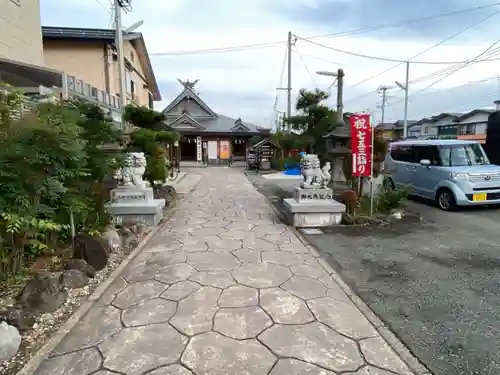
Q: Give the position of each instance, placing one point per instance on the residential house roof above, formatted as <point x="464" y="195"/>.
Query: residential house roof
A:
<point x="396" y="124"/>
<point x="203" y="119"/>
<point x="108" y="36"/>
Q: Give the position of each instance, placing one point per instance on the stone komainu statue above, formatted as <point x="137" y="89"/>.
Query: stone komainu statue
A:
<point x="314" y="176"/>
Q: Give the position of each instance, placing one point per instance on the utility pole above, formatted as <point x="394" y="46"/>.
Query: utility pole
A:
<point x="289" y="84"/>
<point x="407" y="81"/>
<point x="121" y="57"/>
<point x="383" y="90"/>
<point x="340" y="96"/>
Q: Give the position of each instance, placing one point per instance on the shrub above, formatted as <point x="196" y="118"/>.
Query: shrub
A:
<point x="390" y="199"/>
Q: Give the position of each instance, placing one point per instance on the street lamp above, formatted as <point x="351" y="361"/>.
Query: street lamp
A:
<point x="339" y="75"/>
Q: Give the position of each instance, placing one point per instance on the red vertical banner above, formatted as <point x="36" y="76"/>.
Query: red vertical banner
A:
<point x="361" y="133"/>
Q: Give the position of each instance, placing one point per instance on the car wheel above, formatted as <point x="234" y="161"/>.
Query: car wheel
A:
<point x="446" y="200"/>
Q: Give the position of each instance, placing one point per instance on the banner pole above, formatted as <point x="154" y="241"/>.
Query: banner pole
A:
<point x="372" y="123"/>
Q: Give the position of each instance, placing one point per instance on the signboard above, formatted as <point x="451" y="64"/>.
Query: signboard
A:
<point x="224" y="150"/>
<point x="199" y="156"/>
<point x="361" y="133"/>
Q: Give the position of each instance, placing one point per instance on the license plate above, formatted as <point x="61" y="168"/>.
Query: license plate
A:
<point x="479" y="197"/>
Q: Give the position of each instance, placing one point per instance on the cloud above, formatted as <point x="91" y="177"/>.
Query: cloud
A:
<point x="243" y="84"/>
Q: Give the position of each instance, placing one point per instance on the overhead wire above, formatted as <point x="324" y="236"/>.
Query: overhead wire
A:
<point x="453" y="36"/>
<point x="282" y="78"/>
<point x="305" y="66"/>
<point x="464" y="65"/>
<point x="331" y="35"/>
<point x="104" y="6"/>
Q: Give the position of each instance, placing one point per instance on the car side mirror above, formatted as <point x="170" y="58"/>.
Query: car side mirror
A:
<point x="425" y="162"/>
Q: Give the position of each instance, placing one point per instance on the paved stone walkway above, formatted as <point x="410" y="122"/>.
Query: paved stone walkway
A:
<point x="223" y="289"/>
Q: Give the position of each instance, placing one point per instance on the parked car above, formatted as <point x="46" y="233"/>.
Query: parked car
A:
<point x="450" y="172"/>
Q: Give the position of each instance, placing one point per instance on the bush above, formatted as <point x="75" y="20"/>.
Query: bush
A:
<point x="391" y="199"/>
<point x="278" y="164"/>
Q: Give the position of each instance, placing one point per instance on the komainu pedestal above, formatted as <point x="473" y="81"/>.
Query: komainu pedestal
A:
<point x="133" y="201"/>
<point x="312" y="205"/>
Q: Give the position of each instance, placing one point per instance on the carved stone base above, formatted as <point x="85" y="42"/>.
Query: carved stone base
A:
<point x="147" y="212"/>
<point x="311" y="195"/>
<point x="312" y="213"/>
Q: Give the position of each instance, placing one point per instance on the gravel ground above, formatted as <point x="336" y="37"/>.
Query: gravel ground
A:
<point x="435" y="281"/>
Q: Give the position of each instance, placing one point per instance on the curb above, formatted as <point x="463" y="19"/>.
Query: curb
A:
<point x="415" y="365"/>
<point x="36" y="360"/>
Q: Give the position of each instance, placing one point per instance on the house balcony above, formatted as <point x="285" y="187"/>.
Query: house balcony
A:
<point x="35" y="80"/>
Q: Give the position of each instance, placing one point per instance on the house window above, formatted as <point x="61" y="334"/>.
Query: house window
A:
<point x="426" y="129"/>
<point x="150" y="99"/>
<point x="132" y="89"/>
<point x="468" y="129"/>
<point x="132" y="56"/>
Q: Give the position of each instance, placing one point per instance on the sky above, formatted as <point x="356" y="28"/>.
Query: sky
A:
<point x="243" y="83"/>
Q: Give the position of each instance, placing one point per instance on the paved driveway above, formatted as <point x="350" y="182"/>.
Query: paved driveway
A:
<point x="436" y="282"/>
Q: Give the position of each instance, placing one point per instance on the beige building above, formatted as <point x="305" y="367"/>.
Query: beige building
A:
<point x="89" y="56"/>
<point x="20" y="37"/>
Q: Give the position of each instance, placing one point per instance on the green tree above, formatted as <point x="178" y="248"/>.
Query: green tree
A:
<point x="315" y="119"/>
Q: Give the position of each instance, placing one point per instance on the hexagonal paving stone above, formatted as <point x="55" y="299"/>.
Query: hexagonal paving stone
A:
<point x="164" y="246"/>
<point x="261" y="275"/>
<point x="297" y="248"/>
<point x="241" y="323"/>
<point x="210" y="261"/>
<point x="82" y="362"/>
<point x="259" y="245"/>
<point x="167" y="258"/>
<point x="296" y="367"/>
<point x="305" y="288"/>
<point x="233" y="234"/>
<point x="195" y="313"/>
<point x="247" y="256"/>
<point x="314" y="343"/>
<point x="175" y="273"/>
<point x="215" y="223"/>
<point x="219" y="244"/>
<point x="136" y="350"/>
<point x="138" y="292"/>
<point x="180" y="290"/>
<point x="141" y="272"/>
<point x="378" y="353"/>
<point x="284" y="307"/>
<point x="369" y="370"/>
<point x="220" y="279"/>
<point x="264" y="230"/>
<point x="110" y="293"/>
<point x="307" y="270"/>
<point x="277" y="239"/>
<point x="343" y="317"/>
<point x="204" y="232"/>
<point x="245" y="227"/>
<point x="99" y="324"/>
<point x="171" y="370"/>
<point x="157" y="310"/>
<point x="239" y="296"/>
<point x="214" y="354"/>
<point x="282" y="258"/>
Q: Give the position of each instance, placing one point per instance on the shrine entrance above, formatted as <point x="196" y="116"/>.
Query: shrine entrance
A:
<point x="188" y="149"/>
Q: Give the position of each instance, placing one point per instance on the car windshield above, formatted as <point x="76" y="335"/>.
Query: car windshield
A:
<point x="462" y="155"/>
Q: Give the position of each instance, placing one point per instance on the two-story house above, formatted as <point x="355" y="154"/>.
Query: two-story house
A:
<point x="439" y="126"/>
<point x="393" y="131"/>
<point x="89" y="55"/>
<point x="473" y="125"/>
<point x="20" y="37"/>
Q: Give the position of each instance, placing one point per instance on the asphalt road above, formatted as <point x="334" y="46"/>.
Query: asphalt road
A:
<point x="435" y="281"/>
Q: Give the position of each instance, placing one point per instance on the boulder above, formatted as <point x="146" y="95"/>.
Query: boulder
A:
<point x="92" y="250"/>
<point x="23" y="320"/>
<point x="10" y="340"/>
<point x="81" y="265"/>
<point x="112" y="240"/>
<point x="43" y="293"/>
<point x="72" y="279"/>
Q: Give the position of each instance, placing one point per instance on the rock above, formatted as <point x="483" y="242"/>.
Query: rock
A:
<point x="130" y="239"/>
<point x="23" y="320"/>
<point x="81" y="265"/>
<point x="92" y="250"/>
<point x="10" y="340"/>
<point x="42" y="294"/>
<point x="72" y="279"/>
<point x="112" y="240"/>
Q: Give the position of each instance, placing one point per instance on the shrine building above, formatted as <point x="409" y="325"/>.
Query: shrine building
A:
<point x="207" y="136"/>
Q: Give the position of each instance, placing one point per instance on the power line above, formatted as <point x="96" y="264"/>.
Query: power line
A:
<point x="467" y="63"/>
<point x="338" y="34"/>
<point x="429" y="48"/>
<point x="305" y="66"/>
<point x="107" y="9"/>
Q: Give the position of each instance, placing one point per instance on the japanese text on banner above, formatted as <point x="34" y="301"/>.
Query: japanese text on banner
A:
<point x="361" y="133"/>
